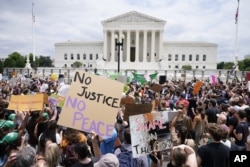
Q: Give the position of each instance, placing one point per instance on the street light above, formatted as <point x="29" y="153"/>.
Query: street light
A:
<point x="119" y="46"/>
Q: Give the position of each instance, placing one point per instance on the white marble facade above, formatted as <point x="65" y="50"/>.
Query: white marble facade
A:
<point x="143" y="47"/>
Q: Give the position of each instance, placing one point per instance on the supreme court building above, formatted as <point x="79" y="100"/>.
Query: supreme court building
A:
<point x="143" y="47"/>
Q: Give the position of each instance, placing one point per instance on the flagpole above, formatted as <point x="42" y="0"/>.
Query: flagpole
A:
<point x="236" y="38"/>
<point x="33" y="32"/>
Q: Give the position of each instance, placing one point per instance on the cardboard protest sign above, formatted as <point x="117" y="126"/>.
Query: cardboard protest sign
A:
<point x="213" y="79"/>
<point x="56" y="100"/>
<point x="26" y="102"/>
<point x="145" y="133"/>
<point x="135" y="109"/>
<point x="91" y="104"/>
<point x="13" y="103"/>
<point x="156" y="88"/>
<point x="127" y="100"/>
<point x="197" y="87"/>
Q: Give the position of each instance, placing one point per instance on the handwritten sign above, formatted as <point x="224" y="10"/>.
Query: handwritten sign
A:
<point x="127" y="100"/>
<point x="197" y="87"/>
<point x="144" y="133"/>
<point x="91" y="104"/>
<point x="26" y="102"/>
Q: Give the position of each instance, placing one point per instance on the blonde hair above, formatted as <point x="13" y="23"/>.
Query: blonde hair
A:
<point x="52" y="155"/>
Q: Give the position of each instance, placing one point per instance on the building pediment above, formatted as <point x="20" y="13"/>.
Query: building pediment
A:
<point x="133" y="17"/>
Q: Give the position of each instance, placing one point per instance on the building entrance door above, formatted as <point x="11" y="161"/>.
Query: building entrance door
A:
<point x="132" y="54"/>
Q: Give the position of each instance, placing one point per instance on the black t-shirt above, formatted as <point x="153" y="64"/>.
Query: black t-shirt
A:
<point x="232" y="121"/>
<point x="41" y="127"/>
<point x="30" y="128"/>
<point x="78" y="164"/>
<point x="242" y="128"/>
<point x="214" y="155"/>
<point x="211" y="115"/>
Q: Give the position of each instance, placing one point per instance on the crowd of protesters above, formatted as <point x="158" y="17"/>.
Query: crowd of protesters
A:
<point x="207" y="126"/>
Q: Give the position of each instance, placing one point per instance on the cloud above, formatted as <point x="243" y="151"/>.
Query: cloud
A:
<point x="80" y="20"/>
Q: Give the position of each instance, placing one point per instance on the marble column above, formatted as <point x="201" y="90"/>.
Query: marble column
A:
<point x="152" y="45"/>
<point x="112" y="59"/>
<point x="105" y="46"/>
<point x="144" y="46"/>
<point x="137" y="46"/>
<point x="128" y="46"/>
<point x="160" y="45"/>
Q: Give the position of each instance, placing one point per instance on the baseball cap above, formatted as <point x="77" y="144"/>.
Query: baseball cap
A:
<point x="107" y="160"/>
<point x="45" y="115"/>
<point x="12" y="117"/>
<point x="7" y="124"/>
<point x="10" y="138"/>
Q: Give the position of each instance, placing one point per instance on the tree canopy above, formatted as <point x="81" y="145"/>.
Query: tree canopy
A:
<point x="186" y="67"/>
<point x="15" y="59"/>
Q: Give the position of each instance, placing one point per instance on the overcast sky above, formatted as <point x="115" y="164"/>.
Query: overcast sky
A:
<point x="80" y="20"/>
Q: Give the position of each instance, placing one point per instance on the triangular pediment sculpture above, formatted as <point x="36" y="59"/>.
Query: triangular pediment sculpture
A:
<point x="133" y="16"/>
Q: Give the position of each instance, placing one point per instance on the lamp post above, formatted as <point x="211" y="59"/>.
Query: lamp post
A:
<point x="119" y="46"/>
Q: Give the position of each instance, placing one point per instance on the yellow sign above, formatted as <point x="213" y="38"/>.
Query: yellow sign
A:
<point x="14" y="102"/>
<point x="91" y="104"/>
<point x="26" y="102"/>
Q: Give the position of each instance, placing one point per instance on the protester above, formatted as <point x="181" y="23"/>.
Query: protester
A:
<point x="241" y="131"/>
<point x="215" y="153"/>
<point x="25" y="157"/>
<point x="183" y="156"/>
<point x="200" y="124"/>
<point x="212" y="111"/>
<point x="109" y="160"/>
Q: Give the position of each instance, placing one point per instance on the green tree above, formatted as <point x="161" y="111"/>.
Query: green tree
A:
<point x="186" y="67"/>
<point x="77" y="64"/>
<point x="45" y="61"/>
<point x="220" y="65"/>
<point x="15" y="59"/>
<point x="228" y="65"/>
<point x="245" y="64"/>
<point x="1" y="66"/>
<point x="8" y="62"/>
